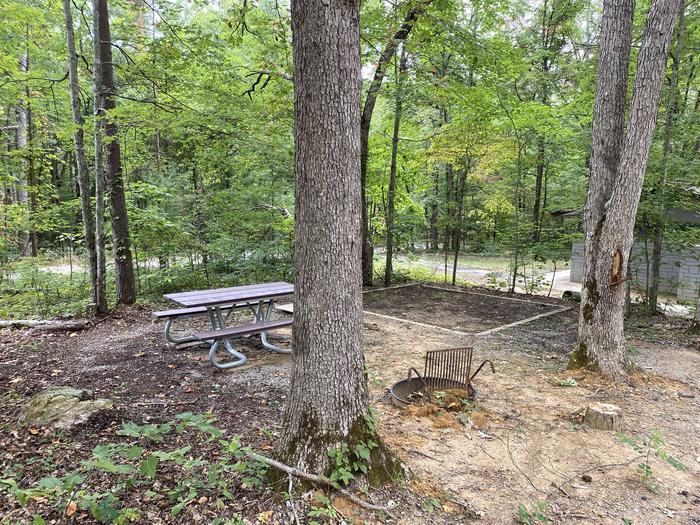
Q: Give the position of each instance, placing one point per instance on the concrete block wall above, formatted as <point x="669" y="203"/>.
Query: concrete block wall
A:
<point x="576" y="263"/>
<point x="671" y="261"/>
<point x="689" y="279"/>
<point x="679" y="272"/>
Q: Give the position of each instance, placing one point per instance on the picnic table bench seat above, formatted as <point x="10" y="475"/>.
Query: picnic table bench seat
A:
<point x="237" y="331"/>
<point x="224" y="334"/>
<point x="185" y="312"/>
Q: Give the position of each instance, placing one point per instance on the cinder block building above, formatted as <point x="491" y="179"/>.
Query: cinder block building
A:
<point x="679" y="274"/>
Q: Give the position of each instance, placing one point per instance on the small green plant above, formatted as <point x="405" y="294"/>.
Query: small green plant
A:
<point x="348" y="462"/>
<point x="646" y="446"/>
<point x="143" y="468"/>
<point x="571" y="426"/>
<point x="534" y="515"/>
<point x="569" y="381"/>
<point x="322" y="508"/>
<point x="440" y="398"/>
<point x="429" y="505"/>
<point x="495" y="281"/>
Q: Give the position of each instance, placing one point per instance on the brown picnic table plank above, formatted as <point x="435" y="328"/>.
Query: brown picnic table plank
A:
<point x="235" y="294"/>
<point x="243" y="330"/>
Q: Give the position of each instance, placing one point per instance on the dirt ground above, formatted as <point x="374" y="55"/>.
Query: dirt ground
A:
<point x="468" y="312"/>
<point x="520" y="443"/>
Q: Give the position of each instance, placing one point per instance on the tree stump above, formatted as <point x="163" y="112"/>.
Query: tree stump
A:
<point x="603" y="416"/>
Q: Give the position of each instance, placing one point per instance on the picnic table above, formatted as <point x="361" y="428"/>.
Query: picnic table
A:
<point x="218" y="304"/>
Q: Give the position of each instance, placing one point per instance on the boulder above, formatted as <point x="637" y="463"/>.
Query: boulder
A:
<point x="61" y="407"/>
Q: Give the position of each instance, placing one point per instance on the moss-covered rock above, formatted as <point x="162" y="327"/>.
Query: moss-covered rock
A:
<point x="61" y="407"/>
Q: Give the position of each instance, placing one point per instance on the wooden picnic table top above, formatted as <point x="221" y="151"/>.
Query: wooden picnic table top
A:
<point x="236" y="294"/>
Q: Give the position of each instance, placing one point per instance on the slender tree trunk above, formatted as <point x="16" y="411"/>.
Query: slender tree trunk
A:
<point x="434" y="212"/>
<point x="458" y="222"/>
<point x="31" y="177"/>
<point x="618" y="163"/>
<point x="101" y="273"/>
<point x="539" y="175"/>
<point x="695" y="327"/>
<point x="328" y="403"/>
<point x="516" y="232"/>
<point x="669" y="117"/>
<point x="123" y="260"/>
<point x="392" y="173"/>
<point x="80" y="159"/>
<point x="449" y="206"/>
<point x="22" y="146"/>
<point x="366" y="120"/>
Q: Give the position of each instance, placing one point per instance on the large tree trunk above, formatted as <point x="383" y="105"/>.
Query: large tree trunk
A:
<point x="328" y="403"/>
<point x="101" y="273"/>
<point x="99" y="300"/>
<point x="391" y="193"/>
<point x="365" y="123"/>
<point x="123" y="262"/>
<point x="658" y="231"/>
<point x="618" y="163"/>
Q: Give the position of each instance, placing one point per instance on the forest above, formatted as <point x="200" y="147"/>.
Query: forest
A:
<point x="370" y="187"/>
<point x="476" y="123"/>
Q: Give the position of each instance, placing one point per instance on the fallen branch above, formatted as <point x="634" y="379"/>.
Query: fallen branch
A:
<point x="314" y="478"/>
<point x="44" y="325"/>
<point x="596" y="467"/>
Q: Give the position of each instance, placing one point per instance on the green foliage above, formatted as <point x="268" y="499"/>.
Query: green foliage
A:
<point x="534" y="515"/>
<point x="126" y="471"/>
<point x="497" y="103"/>
<point x="348" y="462"/>
<point x="431" y="504"/>
<point x="648" y="446"/>
<point x="32" y="291"/>
<point x="322" y="508"/>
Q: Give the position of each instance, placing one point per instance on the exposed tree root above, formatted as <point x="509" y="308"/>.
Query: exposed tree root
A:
<point x="314" y="478"/>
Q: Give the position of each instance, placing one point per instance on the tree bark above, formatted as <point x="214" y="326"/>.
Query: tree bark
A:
<point x="391" y="193"/>
<point x="618" y="163"/>
<point x="367" y="111"/>
<point x="669" y="117"/>
<point x="434" y="212"/>
<point x="328" y="404"/>
<point x="458" y="221"/>
<point x="539" y="175"/>
<point x="101" y="273"/>
<point x="80" y="159"/>
<point x="22" y="146"/>
<point x="31" y="177"/>
<point x="123" y="260"/>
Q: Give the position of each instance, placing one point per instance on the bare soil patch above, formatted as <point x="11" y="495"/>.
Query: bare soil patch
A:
<point x="465" y="311"/>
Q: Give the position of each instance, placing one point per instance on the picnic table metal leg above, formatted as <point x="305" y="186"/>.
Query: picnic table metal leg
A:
<point x="217" y="323"/>
<point x="263" y="335"/>
<point x="170" y="338"/>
